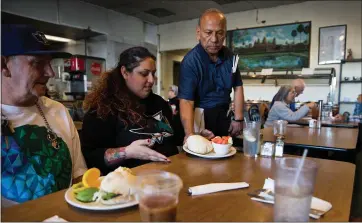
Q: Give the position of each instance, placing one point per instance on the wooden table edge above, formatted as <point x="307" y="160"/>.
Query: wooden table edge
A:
<point x="349" y="165"/>
<point x="316" y="147"/>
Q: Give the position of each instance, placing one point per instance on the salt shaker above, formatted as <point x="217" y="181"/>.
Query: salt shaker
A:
<point x="267" y="149"/>
<point x="279" y="147"/>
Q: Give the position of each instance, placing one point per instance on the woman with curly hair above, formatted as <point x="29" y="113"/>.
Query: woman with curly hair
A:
<point x="126" y="124"/>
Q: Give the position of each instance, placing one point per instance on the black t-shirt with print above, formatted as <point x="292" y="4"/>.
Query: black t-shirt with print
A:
<point x="100" y="134"/>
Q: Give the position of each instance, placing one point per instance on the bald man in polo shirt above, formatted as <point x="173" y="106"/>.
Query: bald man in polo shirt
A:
<point x="207" y="80"/>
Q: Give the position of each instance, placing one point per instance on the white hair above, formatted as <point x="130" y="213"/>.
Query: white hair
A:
<point x="174" y="88"/>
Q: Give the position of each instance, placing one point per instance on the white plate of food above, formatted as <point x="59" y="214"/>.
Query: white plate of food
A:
<point x="96" y="206"/>
<point x="201" y="147"/>
<point x="116" y="191"/>
<point x="212" y="154"/>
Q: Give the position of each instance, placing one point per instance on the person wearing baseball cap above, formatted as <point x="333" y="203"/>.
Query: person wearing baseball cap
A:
<point x="40" y="147"/>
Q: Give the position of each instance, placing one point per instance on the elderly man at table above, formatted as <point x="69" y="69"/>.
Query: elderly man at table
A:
<point x="40" y="147"/>
<point x="299" y="86"/>
<point x="206" y="82"/>
<point x="281" y="109"/>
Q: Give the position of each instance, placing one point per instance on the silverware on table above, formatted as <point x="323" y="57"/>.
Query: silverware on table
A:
<point x="271" y="194"/>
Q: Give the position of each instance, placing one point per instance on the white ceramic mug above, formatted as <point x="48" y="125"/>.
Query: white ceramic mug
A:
<point x="312" y="123"/>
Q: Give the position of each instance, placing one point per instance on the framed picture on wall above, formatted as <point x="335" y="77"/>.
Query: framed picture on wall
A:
<point x="281" y="47"/>
<point x="332" y="44"/>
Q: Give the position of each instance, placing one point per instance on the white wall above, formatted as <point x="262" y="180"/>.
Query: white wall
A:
<point x="150" y="31"/>
<point x="181" y="35"/>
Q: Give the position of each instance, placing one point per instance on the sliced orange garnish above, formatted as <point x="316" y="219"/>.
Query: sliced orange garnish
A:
<point x="91" y="178"/>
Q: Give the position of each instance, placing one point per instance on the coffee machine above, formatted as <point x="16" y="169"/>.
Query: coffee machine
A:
<point x="83" y="72"/>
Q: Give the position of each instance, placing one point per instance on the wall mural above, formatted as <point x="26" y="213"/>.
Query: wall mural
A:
<point x="284" y="46"/>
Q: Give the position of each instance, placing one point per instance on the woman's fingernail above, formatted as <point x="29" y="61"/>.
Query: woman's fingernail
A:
<point x="148" y="141"/>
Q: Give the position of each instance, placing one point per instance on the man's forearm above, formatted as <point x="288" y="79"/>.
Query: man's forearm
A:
<point x="187" y="115"/>
<point x="239" y="102"/>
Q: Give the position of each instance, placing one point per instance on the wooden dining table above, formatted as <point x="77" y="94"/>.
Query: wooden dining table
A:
<point x="334" y="183"/>
<point x="326" y="138"/>
<point x="328" y="123"/>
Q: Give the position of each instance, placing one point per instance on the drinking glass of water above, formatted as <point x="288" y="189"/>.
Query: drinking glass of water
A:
<point x="251" y="138"/>
<point x="293" y="195"/>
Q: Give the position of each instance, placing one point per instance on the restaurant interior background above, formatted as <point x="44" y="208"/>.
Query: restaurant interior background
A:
<point x="101" y="30"/>
<point x="97" y="31"/>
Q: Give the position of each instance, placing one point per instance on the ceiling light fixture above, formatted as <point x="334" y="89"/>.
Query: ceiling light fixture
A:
<point x="59" y="39"/>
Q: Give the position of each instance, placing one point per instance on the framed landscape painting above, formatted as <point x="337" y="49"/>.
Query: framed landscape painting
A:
<point x="281" y="47"/>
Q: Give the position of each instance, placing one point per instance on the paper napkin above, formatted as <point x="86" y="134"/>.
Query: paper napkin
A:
<point x="216" y="187"/>
<point x="317" y="203"/>
<point x="55" y="218"/>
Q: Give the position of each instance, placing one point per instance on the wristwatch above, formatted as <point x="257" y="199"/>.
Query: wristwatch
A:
<point x="237" y="120"/>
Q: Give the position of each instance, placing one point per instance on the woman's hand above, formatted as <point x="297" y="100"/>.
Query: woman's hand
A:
<point x="139" y="149"/>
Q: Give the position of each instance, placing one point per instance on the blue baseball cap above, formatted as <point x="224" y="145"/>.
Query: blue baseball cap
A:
<point x="19" y="39"/>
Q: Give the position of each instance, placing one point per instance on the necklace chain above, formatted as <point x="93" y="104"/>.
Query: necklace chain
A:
<point x="43" y="116"/>
<point x="52" y="136"/>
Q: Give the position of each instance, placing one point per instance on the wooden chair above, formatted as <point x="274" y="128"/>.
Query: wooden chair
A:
<point x="263" y="111"/>
<point x="254" y="114"/>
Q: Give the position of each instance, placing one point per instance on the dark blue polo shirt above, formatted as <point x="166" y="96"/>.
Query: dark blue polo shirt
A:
<point x="205" y="82"/>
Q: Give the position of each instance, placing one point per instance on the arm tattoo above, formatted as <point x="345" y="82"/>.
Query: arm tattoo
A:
<point x="116" y="155"/>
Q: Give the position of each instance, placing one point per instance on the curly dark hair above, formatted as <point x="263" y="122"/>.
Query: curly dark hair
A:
<point x="111" y="96"/>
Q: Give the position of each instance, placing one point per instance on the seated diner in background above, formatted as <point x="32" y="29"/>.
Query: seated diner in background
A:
<point x="174" y="103"/>
<point x="126" y="124"/>
<point x="281" y="109"/>
<point x="358" y="106"/>
<point x="173" y="99"/>
<point x="40" y="147"/>
<point x="299" y="86"/>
